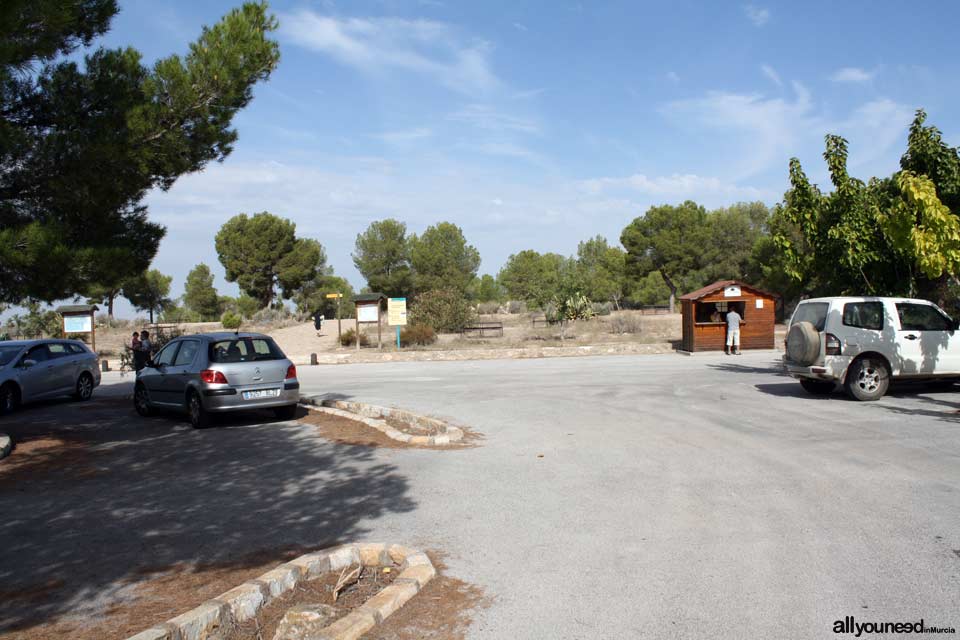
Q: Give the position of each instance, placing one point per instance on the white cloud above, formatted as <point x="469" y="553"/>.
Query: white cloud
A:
<point x="673" y="77"/>
<point x="508" y="150"/>
<point x="489" y="118"/>
<point x="520" y="27"/>
<point x="853" y="75"/>
<point x="380" y="44"/>
<point x="408" y="135"/>
<point x="759" y="16"/>
<point x="674" y="186"/>
<point x="751" y="133"/>
<point x="771" y="73"/>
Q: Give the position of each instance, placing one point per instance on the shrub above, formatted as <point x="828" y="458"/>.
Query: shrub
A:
<point x="444" y="310"/>
<point x="417" y="334"/>
<point x="626" y="323"/>
<point x="516" y="306"/>
<point x="349" y="338"/>
<point x="602" y="308"/>
<point x="231" y="320"/>
<point x="269" y="316"/>
<point x="487" y="308"/>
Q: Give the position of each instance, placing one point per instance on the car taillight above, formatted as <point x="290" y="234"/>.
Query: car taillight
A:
<point x="832" y="345"/>
<point x="213" y="377"/>
<point x="291" y="372"/>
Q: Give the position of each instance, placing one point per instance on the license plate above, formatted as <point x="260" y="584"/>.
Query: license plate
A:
<point x="261" y="393"/>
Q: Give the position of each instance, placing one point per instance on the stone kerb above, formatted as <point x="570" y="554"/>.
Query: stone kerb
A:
<point x="215" y="617"/>
<point x="374" y="416"/>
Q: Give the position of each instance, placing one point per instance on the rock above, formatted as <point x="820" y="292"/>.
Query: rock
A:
<point x="305" y="621"/>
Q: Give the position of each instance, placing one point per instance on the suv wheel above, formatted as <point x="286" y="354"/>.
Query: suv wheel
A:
<point x="817" y="387"/>
<point x="199" y="418"/>
<point x="867" y="379"/>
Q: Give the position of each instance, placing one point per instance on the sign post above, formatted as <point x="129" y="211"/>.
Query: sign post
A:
<point x="369" y="310"/>
<point x="397" y="315"/>
<point x="338" y="296"/>
<point x="79" y="318"/>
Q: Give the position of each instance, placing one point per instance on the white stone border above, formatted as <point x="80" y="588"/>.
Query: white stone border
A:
<point x="244" y="602"/>
<point x="372" y="416"/>
<point x="6" y="444"/>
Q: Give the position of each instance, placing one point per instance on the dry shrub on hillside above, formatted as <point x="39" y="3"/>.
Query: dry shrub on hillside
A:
<point x="625" y="323"/>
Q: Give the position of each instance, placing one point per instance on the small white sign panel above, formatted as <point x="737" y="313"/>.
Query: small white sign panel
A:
<point x="77" y="324"/>
<point x="759" y="303"/>
<point x="367" y="313"/>
<point x="733" y="291"/>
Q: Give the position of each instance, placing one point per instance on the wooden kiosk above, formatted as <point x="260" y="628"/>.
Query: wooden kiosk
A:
<point x="704" y="316"/>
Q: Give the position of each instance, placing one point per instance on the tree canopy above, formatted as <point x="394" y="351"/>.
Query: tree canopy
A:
<point x="532" y="276"/>
<point x="149" y="292"/>
<point x="263" y="254"/>
<point x="199" y="294"/>
<point x="898" y="235"/>
<point x="81" y="142"/>
<point x="382" y="256"/>
<point x="442" y="259"/>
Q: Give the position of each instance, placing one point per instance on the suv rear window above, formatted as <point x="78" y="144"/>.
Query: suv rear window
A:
<point x="863" y="315"/>
<point x="813" y="312"/>
<point x="245" y="350"/>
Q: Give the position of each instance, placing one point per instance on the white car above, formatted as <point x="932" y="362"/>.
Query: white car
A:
<point x="864" y="343"/>
<point x="40" y="369"/>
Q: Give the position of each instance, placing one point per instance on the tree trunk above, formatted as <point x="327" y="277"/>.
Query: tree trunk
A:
<point x="151" y="315"/>
<point x="110" y="298"/>
<point x="935" y="290"/>
<point x="673" y="290"/>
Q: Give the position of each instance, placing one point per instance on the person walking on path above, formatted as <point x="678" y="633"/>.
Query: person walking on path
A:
<point x="733" y="332"/>
<point x="145" y="348"/>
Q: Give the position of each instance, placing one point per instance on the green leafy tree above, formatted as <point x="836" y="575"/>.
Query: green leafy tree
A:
<point x="103" y="295"/>
<point x="668" y="239"/>
<point x="602" y="270"/>
<point x="262" y="254"/>
<point x="149" y="292"/>
<point x="442" y="259"/>
<point x="247" y="306"/>
<point x="83" y="141"/>
<point x="199" y="294"/>
<point x="532" y="277"/>
<point x="382" y="256"/>
<point x="486" y="289"/>
<point x="312" y="297"/>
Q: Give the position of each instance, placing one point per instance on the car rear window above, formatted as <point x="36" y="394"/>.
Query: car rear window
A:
<point x="813" y="312"/>
<point x="245" y="350"/>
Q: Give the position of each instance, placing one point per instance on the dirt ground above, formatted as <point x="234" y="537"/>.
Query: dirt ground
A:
<point x="319" y="591"/>
<point x="354" y="432"/>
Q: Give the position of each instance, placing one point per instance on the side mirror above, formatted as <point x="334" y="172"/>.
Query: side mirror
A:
<point x="26" y="364"/>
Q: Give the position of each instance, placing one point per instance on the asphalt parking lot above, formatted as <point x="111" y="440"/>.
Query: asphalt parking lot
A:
<point x="646" y="496"/>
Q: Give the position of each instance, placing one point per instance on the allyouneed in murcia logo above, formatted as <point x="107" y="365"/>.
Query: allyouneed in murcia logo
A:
<point x="849" y="625"/>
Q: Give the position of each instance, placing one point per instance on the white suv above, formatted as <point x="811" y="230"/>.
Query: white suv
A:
<point x="862" y="343"/>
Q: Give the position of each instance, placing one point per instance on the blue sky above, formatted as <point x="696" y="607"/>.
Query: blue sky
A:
<point x="540" y="124"/>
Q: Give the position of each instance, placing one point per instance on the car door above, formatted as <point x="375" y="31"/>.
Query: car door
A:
<point x="63" y="375"/>
<point x="180" y="370"/>
<point x="927" y="343"/>
<point x="156" y="381"/>
<point x="36" y="380"/>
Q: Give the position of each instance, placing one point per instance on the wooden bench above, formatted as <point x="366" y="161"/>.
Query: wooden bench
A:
<point x="541" y="320"/>
<point x="494" y="328"/>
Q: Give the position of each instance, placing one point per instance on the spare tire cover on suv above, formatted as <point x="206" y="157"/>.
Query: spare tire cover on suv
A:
<point x="803" y="343"/>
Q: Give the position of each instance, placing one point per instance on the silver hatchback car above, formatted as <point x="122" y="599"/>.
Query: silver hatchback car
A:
<point x="218" y="372"/>
<point x="39" y="369"/>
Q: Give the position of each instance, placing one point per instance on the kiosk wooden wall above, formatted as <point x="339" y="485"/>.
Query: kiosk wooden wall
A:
<point x="756" y="332"/>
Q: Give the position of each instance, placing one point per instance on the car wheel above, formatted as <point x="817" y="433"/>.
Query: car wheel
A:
<point x="867" y="379"/>
<point x="288" y="412"/>
<point x="141" y="401"/>
<point x="84" y="389"/>
<point x="817" y="387"/>
<point x="9" y="399"/>
<point x="199" y="418"/>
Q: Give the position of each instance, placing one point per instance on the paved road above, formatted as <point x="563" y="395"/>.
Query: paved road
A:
<point x="704" y="497"/>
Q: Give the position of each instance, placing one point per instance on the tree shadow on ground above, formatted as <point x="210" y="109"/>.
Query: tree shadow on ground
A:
<point x="94" y="496"/>
<point x="775" y="368"/>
